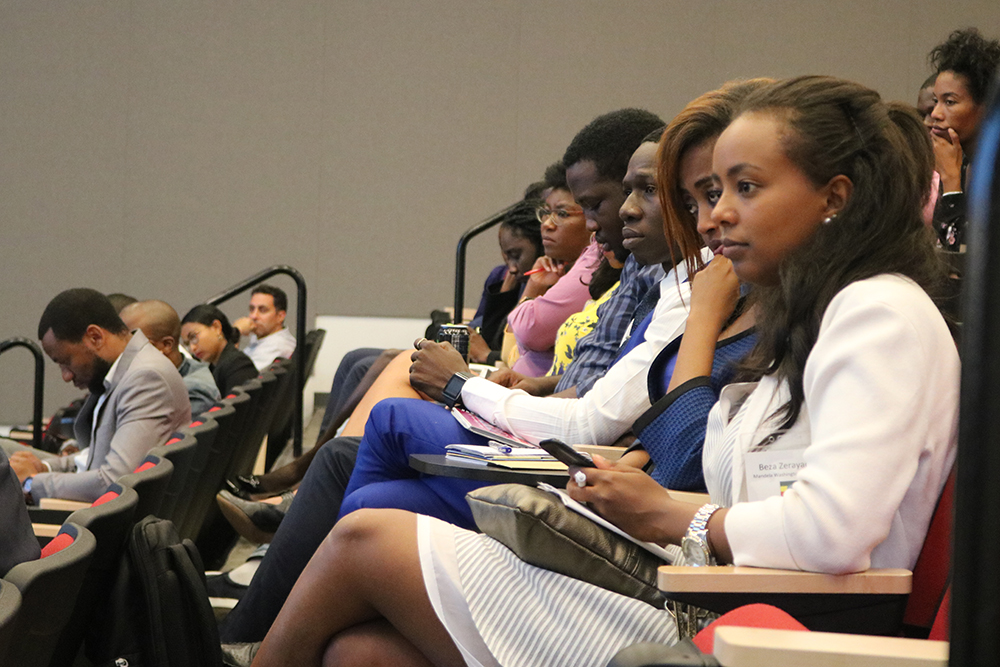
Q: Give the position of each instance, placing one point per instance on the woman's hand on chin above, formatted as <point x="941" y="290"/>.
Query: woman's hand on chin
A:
<point x="948" y="157"/>
<point x="715" y="291"/>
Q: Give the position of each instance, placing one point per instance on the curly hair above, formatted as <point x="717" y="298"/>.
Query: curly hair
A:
<point x="968" y="53"/>
<point x="837" y="127"/>
<point x="609" y="141"/>
<point x="555" y="176"/>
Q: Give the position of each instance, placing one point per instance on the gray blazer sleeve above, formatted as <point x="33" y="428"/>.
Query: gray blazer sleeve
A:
<point x="139" y="415"/>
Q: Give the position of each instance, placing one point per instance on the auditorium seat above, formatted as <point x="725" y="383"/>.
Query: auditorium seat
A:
<point x="110" y="520"/>
<point x="10" y="606"/>
<point x="924" y="615"/>
<point x="227" y="416"/>
<point x="179" y="450"/>
<point x="49" y="587"/>
<point x="150" y="480"/>
<point x="204" y="430"/>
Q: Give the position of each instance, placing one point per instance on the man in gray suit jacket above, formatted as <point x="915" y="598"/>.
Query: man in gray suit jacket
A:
<point x="137" y="398"/>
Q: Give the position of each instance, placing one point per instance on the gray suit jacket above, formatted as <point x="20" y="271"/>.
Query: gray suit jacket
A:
<point x="145" y="403"/>
<point x="17" y="541"/>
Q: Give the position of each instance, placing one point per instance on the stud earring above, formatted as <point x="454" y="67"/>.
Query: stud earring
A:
<point x="827" y="220"/>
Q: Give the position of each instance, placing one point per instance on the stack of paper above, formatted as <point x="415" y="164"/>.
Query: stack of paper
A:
<point x="476" y="424"/>
<point x="506" y="456"/>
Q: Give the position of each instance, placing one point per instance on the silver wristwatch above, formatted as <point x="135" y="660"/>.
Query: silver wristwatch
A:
<point x="695" y="543"/>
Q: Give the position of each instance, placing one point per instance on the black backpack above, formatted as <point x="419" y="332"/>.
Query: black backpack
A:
<point x="159" y="614"/>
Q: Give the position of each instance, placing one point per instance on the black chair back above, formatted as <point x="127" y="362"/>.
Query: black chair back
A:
<point x="110" y="519"/>
<point x="280" y="427"/>
<point x="49" y="587"/>
<point x="180" y="451"/>
<point x="10" y="606"/>
<point x="231" y="416"/>
<point x="248" y="439"/>
<point x="205" y="429"/>
<point x="149" y="480"/>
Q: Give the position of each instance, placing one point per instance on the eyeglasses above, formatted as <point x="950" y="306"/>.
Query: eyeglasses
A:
<point x="561" y="214"/>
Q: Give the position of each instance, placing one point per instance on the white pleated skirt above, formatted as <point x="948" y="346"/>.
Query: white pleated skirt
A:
<point x="501" y="611"/>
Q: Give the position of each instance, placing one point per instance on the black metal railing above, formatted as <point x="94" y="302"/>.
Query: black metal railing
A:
<point x="975" y="610"/>
<point x="463" y="244"/>
<point x="36" y="417"/>
<point x="300" y="333"/>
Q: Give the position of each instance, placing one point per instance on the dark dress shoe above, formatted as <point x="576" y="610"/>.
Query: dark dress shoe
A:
<point x="255" y="520"/>
<point x="239" y="655"/>
<point x="244" y="486"/>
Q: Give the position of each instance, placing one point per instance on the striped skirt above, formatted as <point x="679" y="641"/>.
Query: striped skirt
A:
<point x="501" y="611"/>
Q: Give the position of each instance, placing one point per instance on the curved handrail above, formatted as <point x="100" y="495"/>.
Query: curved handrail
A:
<point x="300" y="332"/>
<point x="463" y="244"/>
<point x="975" y="606"/>
<point x="36" y="418"/>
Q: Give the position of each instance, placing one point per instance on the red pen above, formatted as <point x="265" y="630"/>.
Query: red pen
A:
<point x="534" y="271"/>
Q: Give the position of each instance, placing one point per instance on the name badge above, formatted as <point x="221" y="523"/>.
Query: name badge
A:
<point x="773" y="465"/>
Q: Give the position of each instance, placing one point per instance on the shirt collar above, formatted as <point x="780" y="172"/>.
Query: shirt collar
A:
<point x="109" y="378"/>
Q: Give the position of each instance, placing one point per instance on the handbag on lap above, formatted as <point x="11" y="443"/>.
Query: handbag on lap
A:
<point x="542" y="531"/>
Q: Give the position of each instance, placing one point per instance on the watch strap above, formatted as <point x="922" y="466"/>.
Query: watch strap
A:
<point x="452" y="393"/>
<point x="697" y="532"/>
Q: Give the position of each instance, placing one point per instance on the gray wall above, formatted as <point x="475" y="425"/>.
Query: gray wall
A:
<point x="169" y="149"/>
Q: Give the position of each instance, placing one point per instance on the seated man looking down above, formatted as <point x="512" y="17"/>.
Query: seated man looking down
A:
<point x="137" y="399"/>
<point x="269" y="339"/>
<point x="161" y="324"/>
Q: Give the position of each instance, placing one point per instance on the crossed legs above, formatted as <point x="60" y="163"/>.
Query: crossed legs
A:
<point x="362" y="596"/>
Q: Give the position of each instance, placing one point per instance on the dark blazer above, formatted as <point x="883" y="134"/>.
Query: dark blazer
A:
<point x="17" y="541"/>
<point x="233" y="369"/>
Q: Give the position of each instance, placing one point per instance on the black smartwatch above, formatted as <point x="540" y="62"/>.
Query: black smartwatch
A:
<point x="452" y="394"/>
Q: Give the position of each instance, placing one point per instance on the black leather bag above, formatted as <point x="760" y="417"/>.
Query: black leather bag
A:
<point x="542" y="531"/>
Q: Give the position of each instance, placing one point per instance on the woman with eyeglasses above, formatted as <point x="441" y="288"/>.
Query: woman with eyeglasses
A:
<point x="558" y="285"/>
<point x="570" y="260"/>
<point x="208" y="335"/>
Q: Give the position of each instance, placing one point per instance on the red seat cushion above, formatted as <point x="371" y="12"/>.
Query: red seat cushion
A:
<point x="57" y="544"/>
<point x="747" y="616"/>
<point x="930" y="574"/>
<point x="939" y="631"/>
<point x="108" y="495"/>
<point x="145" y="466"/>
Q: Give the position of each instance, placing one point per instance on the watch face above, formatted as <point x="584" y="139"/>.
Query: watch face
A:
<point x="694" y="551"/>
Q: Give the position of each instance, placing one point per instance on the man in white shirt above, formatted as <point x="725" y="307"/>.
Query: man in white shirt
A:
<point x="269" y="339"/>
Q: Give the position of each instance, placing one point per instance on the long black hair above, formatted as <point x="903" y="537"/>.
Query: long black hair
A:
<point x="838" y="127"/>
<point x="206" y="314"/>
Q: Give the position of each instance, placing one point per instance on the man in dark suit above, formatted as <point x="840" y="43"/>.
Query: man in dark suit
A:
<point x="19" y="543"/>
<point x="137" y="399"/>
